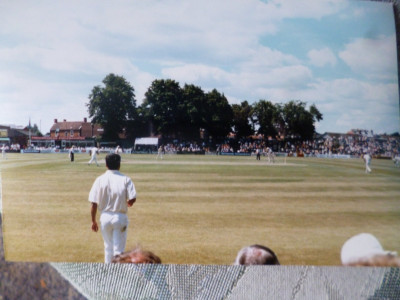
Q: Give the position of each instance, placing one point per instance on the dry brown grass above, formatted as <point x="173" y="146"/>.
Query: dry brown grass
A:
<point x="202" y="209"/>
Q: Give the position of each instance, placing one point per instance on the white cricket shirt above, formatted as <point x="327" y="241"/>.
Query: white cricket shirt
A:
<point x="111" y="191"/>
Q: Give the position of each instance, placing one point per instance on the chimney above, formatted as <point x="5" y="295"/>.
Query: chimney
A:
<point x="55" y="121"/>
<point x="84" y="120"/>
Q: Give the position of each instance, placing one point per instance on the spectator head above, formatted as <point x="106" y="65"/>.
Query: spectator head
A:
<point x="137" y="256"/>
<point x="113" y="161"/>
<point x="256" y="255"/>
<point x="365" y="250"/>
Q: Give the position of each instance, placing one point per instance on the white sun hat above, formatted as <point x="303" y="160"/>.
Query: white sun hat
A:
<point x="360" y="247"/>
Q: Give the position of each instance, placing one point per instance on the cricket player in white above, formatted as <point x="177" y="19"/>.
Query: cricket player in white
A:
<point x="94" y="151"/>
<point x="270" y="155"/>
<point x="160" y="152"/>
<point x="112" y="193"/>
<point x="396" y="161"/>
<point x="71" y="154"/>
<point x="3" y="151"/>
<point x="367" y="159"/>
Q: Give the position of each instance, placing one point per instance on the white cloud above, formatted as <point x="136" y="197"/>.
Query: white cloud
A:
<point x="287" y="77"/>
<point x="261" y="58"/>
<point x="213" y="29"/>
<point x="242" y="83"/>
<point x="207" y="77"/>
<point x="29" y="97"/>
<point x="53" y="53"/>
<point x="315" y="9"/>
<point x="350" y="103"/>
<point x="322" y="57"/>
<point x="354" y="94"/>
<point x="372" y="58"/>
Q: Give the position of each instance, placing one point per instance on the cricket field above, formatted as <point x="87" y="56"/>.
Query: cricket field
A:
<point x="201" y="209"/>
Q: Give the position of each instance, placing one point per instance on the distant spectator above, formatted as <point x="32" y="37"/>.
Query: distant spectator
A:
<point x="137" y="256"/>
<point x="365" y="250"/>
<point x="256" y="255"/>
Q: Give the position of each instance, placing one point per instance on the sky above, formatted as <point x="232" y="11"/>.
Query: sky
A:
<point x="337" y="54"/>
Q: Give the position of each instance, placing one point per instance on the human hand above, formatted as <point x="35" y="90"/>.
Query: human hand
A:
<point x="95" y="228"/>
<point x="130" y="202"/>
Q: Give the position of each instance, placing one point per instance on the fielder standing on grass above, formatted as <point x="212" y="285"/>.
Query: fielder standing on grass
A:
<point x="112" y="193"/>
<point x="367" y="160"/>
<point x="71" y="153"/>
<point x="3" y="152"/>
<point x="160" y="152"/>
<point x="93" y="153"/>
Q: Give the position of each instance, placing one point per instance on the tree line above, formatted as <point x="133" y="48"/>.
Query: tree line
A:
<point x="183" y="112"/>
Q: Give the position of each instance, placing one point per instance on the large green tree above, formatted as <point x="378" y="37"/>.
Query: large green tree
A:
<point x="299" y="121"/>
<point x="112" y="106"/>
<point x="34" y="130"/>
<point x="266" y="116"/>
<point x="242" y="114"/>
<point x="162" y="106"/>
<point x="217" y="115"/>
<point x="192" y="111"/>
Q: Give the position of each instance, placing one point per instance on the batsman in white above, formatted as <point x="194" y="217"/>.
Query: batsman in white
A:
<point x="270" y="155"/>
<point x="111" y="194"/>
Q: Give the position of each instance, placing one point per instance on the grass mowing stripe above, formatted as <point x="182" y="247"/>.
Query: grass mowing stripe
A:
<point x="202" y="209"/>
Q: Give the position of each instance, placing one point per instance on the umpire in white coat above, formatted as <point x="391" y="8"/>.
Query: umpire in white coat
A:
<point x="112" y="193"/>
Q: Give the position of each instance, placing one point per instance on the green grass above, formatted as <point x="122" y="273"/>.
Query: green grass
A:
<point x="201" y="209"/>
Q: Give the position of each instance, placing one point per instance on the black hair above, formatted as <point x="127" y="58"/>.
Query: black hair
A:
<point x="113" y="161"/>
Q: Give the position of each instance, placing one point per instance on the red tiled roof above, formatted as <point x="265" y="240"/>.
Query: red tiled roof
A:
<point x="69" y="125"/>
<point x="84" y="127"/>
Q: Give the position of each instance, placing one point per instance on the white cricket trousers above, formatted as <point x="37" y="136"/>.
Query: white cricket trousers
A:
<point x="113" y="228"/>
<point x="93" y="159"/>
<point x="367" y="168"/>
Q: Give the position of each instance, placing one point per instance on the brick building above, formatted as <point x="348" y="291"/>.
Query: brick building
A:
<point x="67" y="133"/>
<point x="13" y="135"/>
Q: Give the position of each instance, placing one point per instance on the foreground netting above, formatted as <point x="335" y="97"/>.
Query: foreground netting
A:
<point x="127" y="281"/>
